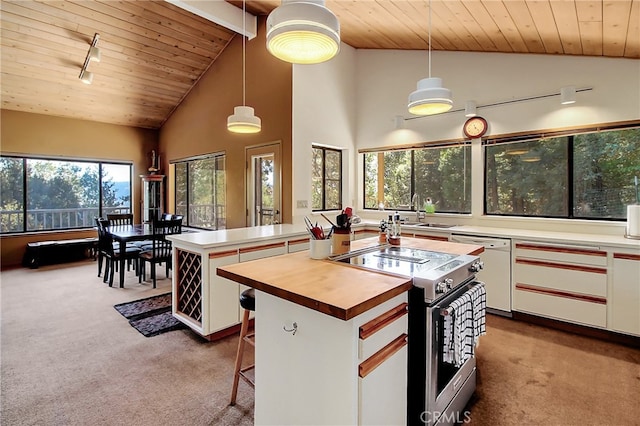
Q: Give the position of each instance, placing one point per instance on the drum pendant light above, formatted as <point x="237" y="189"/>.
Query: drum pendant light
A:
<point x="303" y="32"/>
<point x="430" y="97"/>
<point x="243" y="119"/>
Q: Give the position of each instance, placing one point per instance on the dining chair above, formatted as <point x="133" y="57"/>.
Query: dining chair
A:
<point x="113" y="255"/>
<point x="101" y="224"/>
<point x="120" y="218"/>
<point x="161" y="249"/>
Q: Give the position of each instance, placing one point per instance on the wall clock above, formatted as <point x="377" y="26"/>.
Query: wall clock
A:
<point x="475" y="127"/>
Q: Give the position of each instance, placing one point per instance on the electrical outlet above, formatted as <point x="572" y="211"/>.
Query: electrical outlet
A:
<point x="302" y="204"/>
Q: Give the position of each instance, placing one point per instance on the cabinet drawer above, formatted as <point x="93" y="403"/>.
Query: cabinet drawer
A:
<point x="562" y="254"/>
<point x="300" y="244"/>
<point x="536" y="301"/>
<point x="260" y="252"/>
<point x="378" y="332"/>
<point x="562" y="277"/>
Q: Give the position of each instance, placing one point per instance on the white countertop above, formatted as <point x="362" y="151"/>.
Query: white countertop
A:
<point x="592" y="240"/>
<point x="225" y="237"/>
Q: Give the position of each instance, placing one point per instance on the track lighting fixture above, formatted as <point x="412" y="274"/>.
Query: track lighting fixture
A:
<point x="470" y="109"/>
<point x="93" y="55"/>
<point x="568" y="95"/>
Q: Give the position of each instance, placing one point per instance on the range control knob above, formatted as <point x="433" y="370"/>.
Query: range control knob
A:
<point x="441" y="287"/>
<point x="477" y="266"/>
<point x="449" y="283"/>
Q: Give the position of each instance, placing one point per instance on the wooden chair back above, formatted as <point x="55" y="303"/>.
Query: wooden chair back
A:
<point x="120" y="219"/>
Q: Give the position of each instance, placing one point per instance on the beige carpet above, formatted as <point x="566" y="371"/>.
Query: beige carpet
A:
<point x="69" y="358"/>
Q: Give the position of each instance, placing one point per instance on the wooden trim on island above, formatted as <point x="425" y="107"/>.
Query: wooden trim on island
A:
<point x="381" y="321"/>
<point x="560" y="293"/>
<point x="371" y="363"/>
<point x="226" y="253"/>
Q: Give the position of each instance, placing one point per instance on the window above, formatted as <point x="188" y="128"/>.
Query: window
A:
<point x="326" y="179"/>
<point x="588" y="175"/>
<point x="38" y="194"/>
<point x="404" y="179"/>
<point x="200" y="192"/>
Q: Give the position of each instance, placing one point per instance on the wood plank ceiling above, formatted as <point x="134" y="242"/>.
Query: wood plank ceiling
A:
<point x="154" y="52"/>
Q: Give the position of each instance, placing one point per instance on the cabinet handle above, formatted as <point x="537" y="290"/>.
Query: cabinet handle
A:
<point x="371" y="363"/>
<point x="545" y="264"/>
<point x="293" y="330"/>
<point x="382" y="321"/>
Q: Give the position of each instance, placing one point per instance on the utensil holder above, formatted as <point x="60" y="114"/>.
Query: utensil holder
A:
<point x="341" y="240"/>
<point x="320" y="249"/>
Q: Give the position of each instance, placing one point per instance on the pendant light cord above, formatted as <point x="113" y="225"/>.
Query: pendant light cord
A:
<point x="429" y="38"/>
<point x="244" y="60"/>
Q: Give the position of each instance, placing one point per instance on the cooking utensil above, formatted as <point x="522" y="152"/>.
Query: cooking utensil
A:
<point x="327" y="219"/>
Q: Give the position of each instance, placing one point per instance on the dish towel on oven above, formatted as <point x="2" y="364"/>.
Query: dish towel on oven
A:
<point x="464" y="325"/>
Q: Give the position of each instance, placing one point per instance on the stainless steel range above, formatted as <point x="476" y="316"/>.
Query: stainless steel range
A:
<point x="437" y="390"/>
<point x="435" y="272"/>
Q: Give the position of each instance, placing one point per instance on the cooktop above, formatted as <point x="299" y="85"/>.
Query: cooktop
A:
<point x="399" y="260"/>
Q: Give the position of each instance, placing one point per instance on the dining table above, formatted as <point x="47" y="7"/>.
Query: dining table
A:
<point x="124" y="234"/>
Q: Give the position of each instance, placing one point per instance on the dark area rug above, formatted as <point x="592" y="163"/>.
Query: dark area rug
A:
<point x="150" y="316"/>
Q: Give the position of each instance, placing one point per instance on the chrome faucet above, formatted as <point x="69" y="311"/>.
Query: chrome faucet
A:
<point x="415" y="203"/>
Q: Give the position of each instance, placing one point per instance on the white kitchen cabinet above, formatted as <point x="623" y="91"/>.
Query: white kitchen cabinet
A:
<point x="254" y="252"/>
<point x="300" y="348"/>
<point x="625" y="294"/>
<point x="222" y="295"/>
<point x="429" y="233"/>
<point x="561" y="281"/>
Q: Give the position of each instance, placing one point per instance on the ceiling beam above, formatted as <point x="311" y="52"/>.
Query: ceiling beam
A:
<point x="222" y="13"/>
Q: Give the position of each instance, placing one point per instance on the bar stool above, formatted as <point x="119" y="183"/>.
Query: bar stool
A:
<point x="248" y="302"/>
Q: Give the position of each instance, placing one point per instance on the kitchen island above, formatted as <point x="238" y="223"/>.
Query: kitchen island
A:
<point x="331" y="339"/>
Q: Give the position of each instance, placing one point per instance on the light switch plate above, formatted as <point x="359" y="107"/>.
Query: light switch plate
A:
<point x="302" y="204"/>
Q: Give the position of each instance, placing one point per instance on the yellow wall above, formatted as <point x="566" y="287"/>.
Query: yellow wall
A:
<point x="198" y="125"/>
<point x="34" y="134"/>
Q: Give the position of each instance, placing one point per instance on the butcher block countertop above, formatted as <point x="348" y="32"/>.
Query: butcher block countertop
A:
<point x="333" y="288"/>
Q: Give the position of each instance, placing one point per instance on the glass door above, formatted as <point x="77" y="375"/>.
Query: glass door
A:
<point x="263" y="185"/>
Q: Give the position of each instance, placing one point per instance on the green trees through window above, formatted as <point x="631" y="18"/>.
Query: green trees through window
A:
<point x="588" y="175"/>
<point x="326" y="179"/>
<point x="404" y="179"/>
<point x="45" y="194"/>
<point x="200" y="192"/>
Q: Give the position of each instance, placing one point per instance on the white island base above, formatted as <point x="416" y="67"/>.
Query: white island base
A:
<point x="314" y="376"/>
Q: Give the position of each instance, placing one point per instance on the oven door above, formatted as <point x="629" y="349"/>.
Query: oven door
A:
<point x="438" y="391"/>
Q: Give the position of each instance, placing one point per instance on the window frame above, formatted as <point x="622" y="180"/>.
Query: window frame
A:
<point x="412" y="184"/>
<point x="340" y="181"/>
<point x="570" y="134"/>
<point x="25" y="189"/>
<point x="215" y="156"/>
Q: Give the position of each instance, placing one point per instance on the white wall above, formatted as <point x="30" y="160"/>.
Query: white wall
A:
<point x="375" y="84"/>
<point x="324" y="113"/>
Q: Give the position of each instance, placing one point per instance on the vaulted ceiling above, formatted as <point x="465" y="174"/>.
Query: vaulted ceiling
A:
<point x="154" y="52"/>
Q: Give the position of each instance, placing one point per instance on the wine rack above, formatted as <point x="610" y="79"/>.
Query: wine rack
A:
<point x="190" y="285"/>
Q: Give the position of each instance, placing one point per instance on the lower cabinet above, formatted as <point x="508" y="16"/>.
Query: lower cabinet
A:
<point x="563" y="282"/>
<point x="222" y="295"/>
<point x="348" y="377"/>
<point x="203" y="300"/>
<point x="625" y="295"/>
